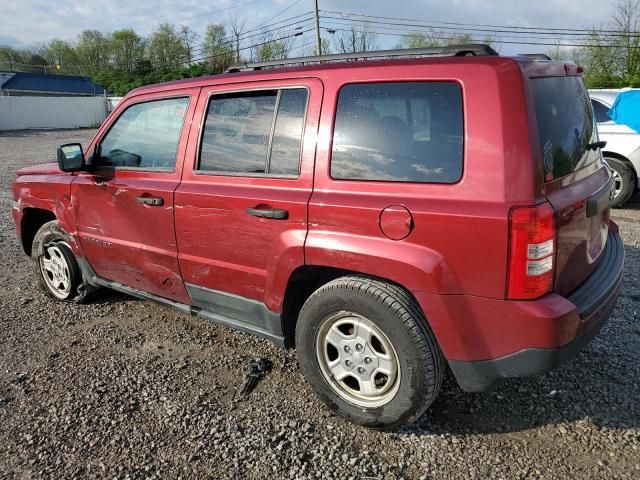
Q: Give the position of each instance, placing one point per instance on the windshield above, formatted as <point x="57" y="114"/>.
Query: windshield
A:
<point x="565" y="125"/>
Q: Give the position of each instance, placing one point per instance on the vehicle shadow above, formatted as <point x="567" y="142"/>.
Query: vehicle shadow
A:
<point x="600" y="385"/>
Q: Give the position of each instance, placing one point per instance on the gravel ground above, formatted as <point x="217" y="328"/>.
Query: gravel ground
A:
<point x="123" y="388"/>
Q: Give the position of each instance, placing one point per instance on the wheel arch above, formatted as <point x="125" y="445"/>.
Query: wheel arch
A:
<point x="32" y="220"/>
<point x="307" y="279"/>
<point x="622" y="158"/>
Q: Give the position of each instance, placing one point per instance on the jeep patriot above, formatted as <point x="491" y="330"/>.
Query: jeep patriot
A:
<point x="390" y="216"/>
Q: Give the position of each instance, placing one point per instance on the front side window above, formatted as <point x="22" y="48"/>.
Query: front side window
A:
<point x="254" y="132"/>
<point x="145" y="136"/>
<point x="406" y="132"/>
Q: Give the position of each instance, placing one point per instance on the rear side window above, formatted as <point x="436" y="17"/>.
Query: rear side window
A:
<point x="254" y="133"/>
<point x="600" y="111"/>
<point x="406" y="132"/>
<point x="145" y="136"/>
<point x="565" y="124"/>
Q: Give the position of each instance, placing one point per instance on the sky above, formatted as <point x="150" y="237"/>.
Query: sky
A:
<point x="29" y="23"/>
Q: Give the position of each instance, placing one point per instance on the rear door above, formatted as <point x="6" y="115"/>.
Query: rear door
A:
<point x="241" y="209"/>
<point x="577" y="182"/>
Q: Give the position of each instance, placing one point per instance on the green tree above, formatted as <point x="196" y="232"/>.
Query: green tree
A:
<point x="61" y="56"/>
<point x="217" y="49"/>
<point x="126" y="49"/>
<point x="354" y="41"/>
<point x="10" y="58"/>
<point x="165" y="48"/>
<point x="420" y="40"/>
<point x="93" y="50"/>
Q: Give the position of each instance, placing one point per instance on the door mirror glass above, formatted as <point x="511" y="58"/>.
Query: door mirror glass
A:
<point x="70" y="157"/>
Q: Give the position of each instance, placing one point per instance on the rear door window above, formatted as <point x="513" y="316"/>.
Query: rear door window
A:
<point x="565" y="124"/>
<point x="405" y="132"/>
<point x="254" y="133"/>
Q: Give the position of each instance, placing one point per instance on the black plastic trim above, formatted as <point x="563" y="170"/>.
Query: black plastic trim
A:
<point x="604" y="280"/>
<point x="231" y="310"/>
<point x="238" y="312"/>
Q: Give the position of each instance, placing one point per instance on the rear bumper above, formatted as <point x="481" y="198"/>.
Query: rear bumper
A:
<point x="556" y="328"/>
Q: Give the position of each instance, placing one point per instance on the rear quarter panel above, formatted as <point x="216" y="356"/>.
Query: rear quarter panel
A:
<point x="458" y="244"/>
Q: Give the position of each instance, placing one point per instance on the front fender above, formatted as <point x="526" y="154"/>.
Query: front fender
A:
<point x="46" y="192"/>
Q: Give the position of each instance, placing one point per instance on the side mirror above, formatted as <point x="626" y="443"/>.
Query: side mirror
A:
<point x="71" y="157"/>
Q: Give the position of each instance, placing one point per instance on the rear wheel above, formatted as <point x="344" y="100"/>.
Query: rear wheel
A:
<point x="625" y="181"/>
<point x="55" y="266"/>
<point x="366" y="349"/>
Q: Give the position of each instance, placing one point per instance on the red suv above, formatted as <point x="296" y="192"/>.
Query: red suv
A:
<point x="387" y="216"/>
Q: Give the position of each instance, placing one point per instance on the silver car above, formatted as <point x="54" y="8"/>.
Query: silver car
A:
<point x="622" y="151"/>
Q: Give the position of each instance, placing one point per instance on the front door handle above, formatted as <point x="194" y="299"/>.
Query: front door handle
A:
<point x="152" y="201"/>
<point x="275" y="213"/>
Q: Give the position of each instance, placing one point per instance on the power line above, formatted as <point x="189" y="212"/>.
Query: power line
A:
<point x="473" y="24"/>
<point x="421" y="25"/>
<point x="497" y="40"/>
<point x="297" y="34"/>
<point x="244" y="36"/>
<point x="432" y="32"/>
<point x="279" y="13"/>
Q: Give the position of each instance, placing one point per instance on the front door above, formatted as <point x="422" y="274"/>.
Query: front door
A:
<point x="241" y="209"/>
<point x="124" y="205"/>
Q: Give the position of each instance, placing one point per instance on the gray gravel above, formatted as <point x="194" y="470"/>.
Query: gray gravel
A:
<point x="123" y="388"/>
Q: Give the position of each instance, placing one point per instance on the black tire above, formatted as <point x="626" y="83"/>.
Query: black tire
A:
<point x="396" y="313"/>
<point x="627" y="179"/>
<point x="50" y="234"/>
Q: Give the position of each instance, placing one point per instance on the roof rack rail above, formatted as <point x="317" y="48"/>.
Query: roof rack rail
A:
<point x="536" y="56"/>
<point x="473" y="49"/>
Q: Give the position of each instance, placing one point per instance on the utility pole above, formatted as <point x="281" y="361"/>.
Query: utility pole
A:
<point x="318" y="40"/>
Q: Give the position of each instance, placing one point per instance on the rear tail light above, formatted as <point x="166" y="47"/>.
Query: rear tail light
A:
<point x="532" y="238"/>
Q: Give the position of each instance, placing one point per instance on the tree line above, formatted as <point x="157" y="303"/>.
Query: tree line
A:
<point x="123" y="59"/>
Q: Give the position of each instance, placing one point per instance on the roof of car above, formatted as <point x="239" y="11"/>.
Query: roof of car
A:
<point x="532" y="66"/>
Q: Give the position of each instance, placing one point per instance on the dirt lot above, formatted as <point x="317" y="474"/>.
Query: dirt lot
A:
<point x="123" y="388"/>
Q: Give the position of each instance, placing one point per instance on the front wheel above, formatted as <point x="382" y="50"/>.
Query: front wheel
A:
<point x="367" y="350"/>
<point x="55" y="266"/>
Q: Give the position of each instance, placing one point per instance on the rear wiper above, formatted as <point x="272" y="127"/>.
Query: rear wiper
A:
<point x="595" y="145"/>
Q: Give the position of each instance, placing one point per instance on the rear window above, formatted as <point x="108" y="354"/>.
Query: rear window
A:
<point x="565" y="124"/>
<point x="406" y="132"/>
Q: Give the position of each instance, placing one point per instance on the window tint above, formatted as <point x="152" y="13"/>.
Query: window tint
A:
<point x="600" y="111"/>
<point x="410" y="132"/>
<point x="287" y="134"/>
<point x="236" y="133"/>
<point x="565" y="124"/>
<point x="145" y="136"/>
<point x="254" y="132"/>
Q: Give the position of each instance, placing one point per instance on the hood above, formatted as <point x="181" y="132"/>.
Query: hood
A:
<point x="49" y="168"/>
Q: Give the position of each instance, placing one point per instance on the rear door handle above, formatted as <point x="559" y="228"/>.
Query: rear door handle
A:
<point x="152" y="201"/>
<point x="275" y="213"/>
